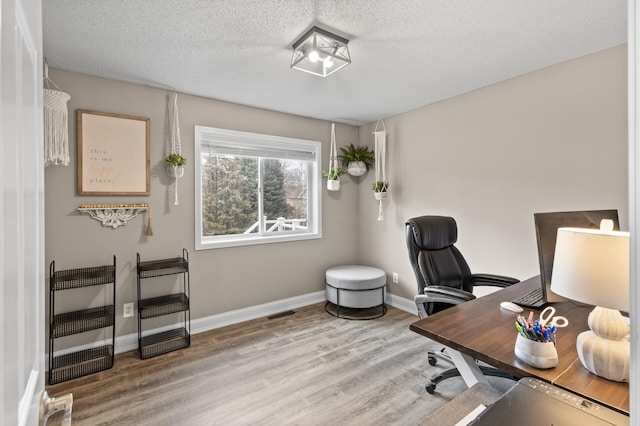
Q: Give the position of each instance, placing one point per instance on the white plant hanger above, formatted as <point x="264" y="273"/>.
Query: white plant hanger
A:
<point x="56" y="123"/>
<point x="333" y="185"/>
<point x="380" y="156"/>
<point x="176" y="172"/>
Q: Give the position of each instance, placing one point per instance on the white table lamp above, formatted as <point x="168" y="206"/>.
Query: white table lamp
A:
<point x="592" y="266"/>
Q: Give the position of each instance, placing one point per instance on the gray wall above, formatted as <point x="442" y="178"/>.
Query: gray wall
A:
<point x="551" y="140"/>
<point x="546" y="141"/>
<point x="223" y="279"/>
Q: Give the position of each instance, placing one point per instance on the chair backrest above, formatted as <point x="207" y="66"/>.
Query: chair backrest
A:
<point x="433" y="256"/>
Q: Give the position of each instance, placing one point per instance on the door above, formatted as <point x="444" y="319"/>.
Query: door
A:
<point x="21" y="213"/>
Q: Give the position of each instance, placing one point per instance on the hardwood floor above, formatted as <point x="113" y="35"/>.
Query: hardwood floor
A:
<point x="308" y="368"/>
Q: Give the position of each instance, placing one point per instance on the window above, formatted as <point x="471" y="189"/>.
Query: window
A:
<point x="255" y="189"/>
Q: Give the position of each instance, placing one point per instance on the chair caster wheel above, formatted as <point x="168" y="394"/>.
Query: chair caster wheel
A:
<point x="432" y="360"/>
<point x="430" y="388"/>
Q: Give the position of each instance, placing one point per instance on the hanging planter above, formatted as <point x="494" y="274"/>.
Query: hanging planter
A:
<point x="333" y="185"/>
<point x="381" y="184"/>
<point x="380" y="190"/>
<point x="333" y="179"/>
<point x="175" y="172"/>
<point x="356" y="168"/>
<point x="333" y="175"/>
<point x="357" y="159"/>
<point x="175" y="165"/>
<point x="175" y="161"/>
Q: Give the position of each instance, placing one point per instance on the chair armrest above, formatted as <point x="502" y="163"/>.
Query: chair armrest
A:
<point x="454" y="295"/>
<point x="440" y="294"/>
<point x="493" y="280"/>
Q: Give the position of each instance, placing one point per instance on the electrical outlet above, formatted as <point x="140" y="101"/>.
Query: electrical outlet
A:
<point x="127" y="310"/>
<point x="395" y="277"/>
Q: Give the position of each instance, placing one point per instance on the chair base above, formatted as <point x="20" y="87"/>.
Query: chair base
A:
<point x="442" y="356"/>
<point x="430" y="387"/>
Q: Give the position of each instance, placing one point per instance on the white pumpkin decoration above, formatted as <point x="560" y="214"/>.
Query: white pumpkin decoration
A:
<point x="608" y="323"/>
<point x="605" y="351"/>
<point x="603" y="357"/>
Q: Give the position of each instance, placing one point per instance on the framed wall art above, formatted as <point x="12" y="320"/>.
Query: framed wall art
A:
<point x="113" y="154"/>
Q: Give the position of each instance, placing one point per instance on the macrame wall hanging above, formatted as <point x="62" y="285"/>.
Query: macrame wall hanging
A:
<point x="56" y="123"/>
<point x="333" y="175"/>
<point x="175" y="161"/>
<point x="381" y="184"/>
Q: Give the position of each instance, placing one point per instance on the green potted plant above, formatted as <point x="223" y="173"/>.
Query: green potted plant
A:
<point x="333" y="178"/>
<point x="175" y="160"/>
<point x="380" y="189"/>
<point x="175" y="165"/>
<point x="357" y="159"/>
<point x="175" y="169"/>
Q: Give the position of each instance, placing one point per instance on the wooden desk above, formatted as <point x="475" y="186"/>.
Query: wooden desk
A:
<point x="481" y="330"/>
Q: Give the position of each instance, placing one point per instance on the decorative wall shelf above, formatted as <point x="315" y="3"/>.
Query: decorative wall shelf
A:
<point x="116" y="215"/>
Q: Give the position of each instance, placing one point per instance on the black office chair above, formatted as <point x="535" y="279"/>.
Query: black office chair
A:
<point x="444" y="279"/>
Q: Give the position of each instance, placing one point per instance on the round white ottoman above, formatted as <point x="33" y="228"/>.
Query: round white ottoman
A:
<point x="355" y="287"/>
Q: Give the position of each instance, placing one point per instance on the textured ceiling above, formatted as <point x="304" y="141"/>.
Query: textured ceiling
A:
<point x="405" y="53"/>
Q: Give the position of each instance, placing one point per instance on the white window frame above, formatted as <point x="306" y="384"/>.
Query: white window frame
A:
<point x="226" y="137"/>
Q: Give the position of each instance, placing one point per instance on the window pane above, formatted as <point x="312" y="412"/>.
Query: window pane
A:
<point x="255" y="189"/>
<point x="229" y="195"/>
<point x="285" y="188"/>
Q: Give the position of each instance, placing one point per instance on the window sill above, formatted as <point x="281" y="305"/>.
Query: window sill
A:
<point x="209" y="243"/>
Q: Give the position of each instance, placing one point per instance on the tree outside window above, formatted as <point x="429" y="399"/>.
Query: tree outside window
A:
<point x="249" y="195"/>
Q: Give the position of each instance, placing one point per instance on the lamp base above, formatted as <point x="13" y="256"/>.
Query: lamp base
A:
<point x="605" y="351"/>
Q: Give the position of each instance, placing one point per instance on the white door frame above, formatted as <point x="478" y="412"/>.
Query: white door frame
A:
<point x="634" y="205"/>
<point x="21" y="213"/>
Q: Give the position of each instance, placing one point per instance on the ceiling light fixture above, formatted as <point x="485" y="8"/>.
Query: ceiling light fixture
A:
<point x="320" y="52"/>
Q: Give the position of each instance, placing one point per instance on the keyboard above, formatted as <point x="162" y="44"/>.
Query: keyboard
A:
<point x="533" y="299"/>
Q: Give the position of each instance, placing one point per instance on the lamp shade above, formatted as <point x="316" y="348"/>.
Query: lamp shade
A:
<point x="592" y="266"/>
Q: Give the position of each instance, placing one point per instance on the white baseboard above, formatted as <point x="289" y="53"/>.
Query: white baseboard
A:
<point x="129" y="342"/>
<point x="212" y="322"/>
<point x="402" y="303"/>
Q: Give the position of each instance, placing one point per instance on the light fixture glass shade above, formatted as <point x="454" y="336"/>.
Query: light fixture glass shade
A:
<point x="320" y="52"/>
<point x="592" y="266"/>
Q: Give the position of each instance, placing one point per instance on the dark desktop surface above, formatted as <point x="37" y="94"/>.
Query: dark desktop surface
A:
<point x="534" y="402"/>
<point x="493" y="336"/>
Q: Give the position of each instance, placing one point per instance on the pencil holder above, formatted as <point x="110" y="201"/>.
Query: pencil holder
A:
<point x="536" y="354"/>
